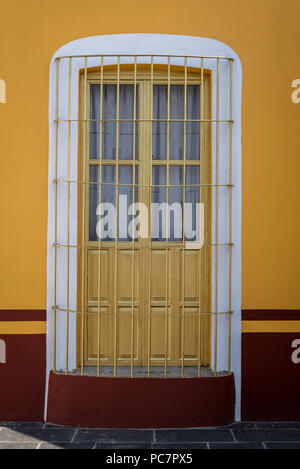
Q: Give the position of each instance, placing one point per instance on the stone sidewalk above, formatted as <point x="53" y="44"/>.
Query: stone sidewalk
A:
<point x="27" y="435"/>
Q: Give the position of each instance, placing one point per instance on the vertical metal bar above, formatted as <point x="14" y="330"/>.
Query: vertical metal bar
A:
<point x="150" y="222"/>
<point x="183" y="220"/>
<point x="230" y="221"/>
<point x="55" y="214"/>
<point x="217" y="220"/>
<point x="117" y="219"/>
<point x="202" y="197"/>
<point x="133" y="225"/>
<point x="167" y="221"/>
<point x="68" y="216"/>
<point x="83" y="218"/>
<point x="100" y="202"/>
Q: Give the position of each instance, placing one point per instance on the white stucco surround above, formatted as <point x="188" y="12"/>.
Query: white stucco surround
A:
<point x="154" y="44"/>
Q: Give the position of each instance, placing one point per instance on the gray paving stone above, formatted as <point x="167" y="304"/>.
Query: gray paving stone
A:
<point x="18" y="445"/>
<point x="184" y="446"/>
<point x="282" y="445"/>
<point x="54" y="425"/>
<point x="116" y="445"/>
<point x="30" y="435"/>
<point x="276" y="425"/>
<point x="276" y="435"/>
<point x="22" y="425"/>
<point x="12" y="435"/>
<point x="114" y="435"/>
<point x="252" y="445"/>
<point x="241" y="425"/>
<point x="87" y="445"/>
<point x="240" y="435"/>
<point x="193" y="435"/>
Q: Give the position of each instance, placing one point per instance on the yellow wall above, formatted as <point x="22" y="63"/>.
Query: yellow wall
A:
<point x="265" y="34"/>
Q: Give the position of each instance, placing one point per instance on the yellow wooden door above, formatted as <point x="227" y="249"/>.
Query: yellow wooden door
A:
<point x="145" y="298"/>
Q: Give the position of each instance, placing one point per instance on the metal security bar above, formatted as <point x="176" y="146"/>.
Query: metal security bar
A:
<point x="154" y="139"/>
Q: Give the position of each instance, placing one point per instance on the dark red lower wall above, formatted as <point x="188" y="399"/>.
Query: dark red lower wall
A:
<point x="270" y="379"/>
<point x="140" y="402"/>
<point x="270" y="385"/>
<point x="22" y="377"/>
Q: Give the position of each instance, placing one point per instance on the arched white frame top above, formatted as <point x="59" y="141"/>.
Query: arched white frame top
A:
<point x="158" y="45"/>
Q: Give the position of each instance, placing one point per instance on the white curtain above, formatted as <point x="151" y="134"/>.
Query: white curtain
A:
<point x="109" y="112"/>
<point x="176" y="152"/>
<point x="160" y="111"/>
<point x="159" y="152"/>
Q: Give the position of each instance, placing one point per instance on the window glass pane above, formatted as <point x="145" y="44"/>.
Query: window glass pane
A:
<point x="93" y="202"/>
<point x="192" y="199"/>
<point x="108" y="206"/>
<point x="175" y="217"/>
<point x="126" y="212"/>
<point x="109" y="113"/>
<point x="159" y="129"/>
<point x="175" y="202"/>
<point x="160" y="211"/>
<point x="108" y="201"/>
<point x="176" y="128"/>
<point x="126" y="128"/>
<point x="158" y="202"/>
<point x="109" y="127"/>
<point x="192" y="128"/>
<point x="94" y="126"/>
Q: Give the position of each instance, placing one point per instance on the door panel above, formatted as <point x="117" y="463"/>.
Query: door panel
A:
<point x="124" y="317"/>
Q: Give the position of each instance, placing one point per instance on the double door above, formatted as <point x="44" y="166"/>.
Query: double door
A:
<point x="145" y="155"/>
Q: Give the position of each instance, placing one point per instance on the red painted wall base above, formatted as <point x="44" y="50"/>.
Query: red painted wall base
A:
<point x="140" y="402"/>
<point x="22" y="378"/>
<point x="270" y="380"/>
<point x="23" y="373"/>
